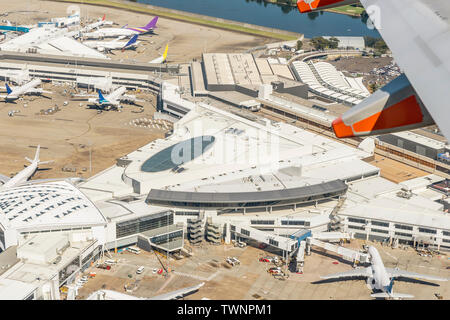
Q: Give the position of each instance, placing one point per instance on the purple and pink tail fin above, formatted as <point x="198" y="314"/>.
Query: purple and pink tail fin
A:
<point x="151" y="24"/>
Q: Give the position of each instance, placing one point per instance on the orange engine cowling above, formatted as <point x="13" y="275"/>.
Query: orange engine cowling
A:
<point x="311" y="5"/>
<point x="395" y="107"/>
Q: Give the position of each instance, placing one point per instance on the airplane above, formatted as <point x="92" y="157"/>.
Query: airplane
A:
<point x="107" y="46"/>
<point x="117" y="32"/>
<point x="416" y="32"/>
<point x="162" y="58"/>
<point x="29" y="88"/>
<point x="381" y="278"/>
<point x="113" y="99"/>
<point x="114" y="295"/>
<point x="98" y="24"/>
<point x="25" y="174"/>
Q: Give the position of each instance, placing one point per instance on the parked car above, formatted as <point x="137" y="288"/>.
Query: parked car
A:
<point x="110" y="262"/>
<point x="273" y="259"/>
<point x="275" y="270"/>
<point x="230" y="261"/>
<point x="140" y="270"/>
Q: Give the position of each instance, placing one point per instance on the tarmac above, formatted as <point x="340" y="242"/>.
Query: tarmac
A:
<point x="68" y="135"/>
<point x="251" y="281"/>
<point x="186" y="41"/>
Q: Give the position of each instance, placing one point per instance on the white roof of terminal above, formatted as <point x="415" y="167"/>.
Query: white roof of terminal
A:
<point x="320" y="159"/>
<point x="47" y="205"/>
<point x="417" y="138"/>
<point x="376" y="198"/>
<point x="15" y="290"/>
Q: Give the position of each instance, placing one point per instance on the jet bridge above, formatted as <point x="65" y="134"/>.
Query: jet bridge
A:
<point x="285" y="245"/>
<point x="306" y="239"/>
<point x="345" y="253"/>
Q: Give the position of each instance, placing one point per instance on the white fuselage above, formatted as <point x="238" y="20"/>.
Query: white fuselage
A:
<point x="110" y="45"/>
<point x="380" y="278"/>
<point x="113" y="99"/>
<point x="26" y="88"/>
<point x="110" y="33"/>
<point x="22" y="176"/>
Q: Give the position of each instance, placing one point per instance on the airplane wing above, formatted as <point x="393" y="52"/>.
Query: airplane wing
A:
<point x="177" y="294"/>
<point x="4" y="179"/>
<point x="362" y="272"/>
<point x="117" y="94"/>
<point x="406" y="274"/>
<point x="418" y="34"/>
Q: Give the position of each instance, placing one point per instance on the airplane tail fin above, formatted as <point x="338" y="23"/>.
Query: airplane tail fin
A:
<point x="125" y="26"/>
<point x="8" y="89"/>
<point x="104" y="17"/>
<point x="165" y="52"/>
<point x="36" y="156"/>
<point x="390" y="286"/>
<point x="131" y="42"/>
<point x="101" y="98"/>
<point x="151" y="24"/>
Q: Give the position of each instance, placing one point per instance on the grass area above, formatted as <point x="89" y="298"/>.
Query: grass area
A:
<point x="348" y="9"/>
<point x="187" y="18"/>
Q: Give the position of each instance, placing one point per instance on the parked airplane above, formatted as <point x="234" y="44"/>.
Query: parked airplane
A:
<point x="27" y="89"/>
<point x="162" y="58"/>
<point x="107" y="46"/>
<point x="25" y="174"/>
<point x="113" y="99"/>
<point x="416" y="31"/>
<point x="381" y="278"/>
<point x="98" y="24"/>
<point x="117" y="32"/>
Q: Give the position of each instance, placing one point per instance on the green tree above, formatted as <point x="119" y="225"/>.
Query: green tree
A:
<point x="381" y="46"/>
<point x="333" y="43"/>
<point x="299" y="44"/>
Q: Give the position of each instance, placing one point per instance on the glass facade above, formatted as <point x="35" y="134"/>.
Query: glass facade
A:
<point x="178" y="154"/>
<point x="135" y="226"/>
<point x="163" y="239"/>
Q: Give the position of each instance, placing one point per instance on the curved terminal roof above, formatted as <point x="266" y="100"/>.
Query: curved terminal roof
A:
<point x="177" y="154"/>
<point x="54" y="204"/>
<point x="247" y="199"/>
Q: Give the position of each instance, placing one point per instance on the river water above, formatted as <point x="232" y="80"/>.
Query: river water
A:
<point x="273" y="16"/>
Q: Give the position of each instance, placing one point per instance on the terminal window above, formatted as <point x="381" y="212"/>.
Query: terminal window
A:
<point x="424" y="230"/>
<point x="401" y="226"/>
<point x="379" y="230"/>
<point x="146" y="223"/>
<point x="357" y="220"/>
<point x="273" y="242"/>
<point x="381" y="224"/>
<point x="262" y="221"/>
